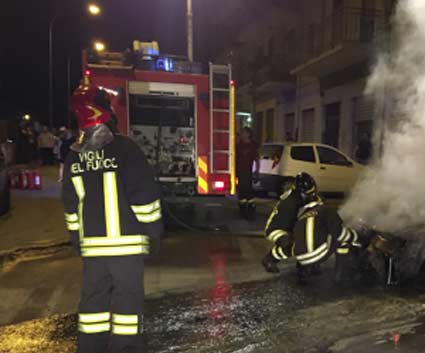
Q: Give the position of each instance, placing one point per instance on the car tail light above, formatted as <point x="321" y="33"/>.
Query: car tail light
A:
<point x="219" y="185"/>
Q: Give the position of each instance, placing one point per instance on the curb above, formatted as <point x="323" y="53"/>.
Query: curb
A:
<point x="36" y="250"/>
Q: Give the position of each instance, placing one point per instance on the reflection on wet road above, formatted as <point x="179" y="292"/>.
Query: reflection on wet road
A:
<point x="274" y="316"/>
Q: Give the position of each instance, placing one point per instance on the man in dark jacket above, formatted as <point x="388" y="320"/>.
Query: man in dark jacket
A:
<point x="113" y="214"/>
<point x="246" y="157"/>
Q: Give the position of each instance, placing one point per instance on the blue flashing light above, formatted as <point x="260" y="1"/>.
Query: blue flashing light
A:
<point x="152" y="51"/>
<point x="165" y="64"/>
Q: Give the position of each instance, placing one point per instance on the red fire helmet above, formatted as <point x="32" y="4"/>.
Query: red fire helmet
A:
<point x="91" y="106"/>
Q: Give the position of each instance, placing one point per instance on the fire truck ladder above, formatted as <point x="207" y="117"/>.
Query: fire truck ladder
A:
<point x="220" y="107"/>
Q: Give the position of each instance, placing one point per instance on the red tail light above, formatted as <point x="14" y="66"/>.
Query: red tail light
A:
<point x="219" y="185"/>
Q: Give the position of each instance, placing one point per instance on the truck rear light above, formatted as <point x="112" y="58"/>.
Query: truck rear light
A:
<point x="87" y="72"/>
<point x="219" y="185"/>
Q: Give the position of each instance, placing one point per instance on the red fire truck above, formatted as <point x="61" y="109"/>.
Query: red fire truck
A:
<point x="182" y="118"/>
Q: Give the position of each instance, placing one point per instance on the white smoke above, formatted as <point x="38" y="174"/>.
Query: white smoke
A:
<point x="391" y="194"/>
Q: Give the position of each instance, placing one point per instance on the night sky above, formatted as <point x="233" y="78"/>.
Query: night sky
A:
<point x="24" y="42"/>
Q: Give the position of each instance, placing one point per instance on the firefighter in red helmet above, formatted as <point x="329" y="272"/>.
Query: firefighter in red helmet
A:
<point x="113" y="214"/>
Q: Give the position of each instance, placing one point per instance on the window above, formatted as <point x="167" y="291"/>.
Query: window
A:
<point x="328" y="156"/>
<point x="290" y="127"/>
<point x="271" y="152"/>
<point x="303" y="153"/>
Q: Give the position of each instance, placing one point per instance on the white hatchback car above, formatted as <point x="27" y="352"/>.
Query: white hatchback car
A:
<point x="334" y="172"/>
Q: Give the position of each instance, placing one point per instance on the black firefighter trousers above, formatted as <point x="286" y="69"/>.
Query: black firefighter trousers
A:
<point x="111" y="307"/>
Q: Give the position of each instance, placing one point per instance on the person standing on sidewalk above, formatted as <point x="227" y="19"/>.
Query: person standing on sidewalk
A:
<point x="46" y="142"/>
<point x="246" y="157"/>
<point x="113" y="213"/>
<point x="67" y="140"/>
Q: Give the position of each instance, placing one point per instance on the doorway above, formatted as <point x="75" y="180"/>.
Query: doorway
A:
<point x="332" y="120"/>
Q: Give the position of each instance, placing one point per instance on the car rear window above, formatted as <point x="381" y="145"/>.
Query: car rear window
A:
<point x="303" y="153"/>
<point x="271" y="151"/>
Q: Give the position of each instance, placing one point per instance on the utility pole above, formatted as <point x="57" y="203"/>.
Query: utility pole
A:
<point x="68" y="89"/>
<point x="189" y="30"/>
<point x="51" y="24"/>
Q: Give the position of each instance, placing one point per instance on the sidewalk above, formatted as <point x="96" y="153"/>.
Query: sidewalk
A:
<point x="36" y="216"/>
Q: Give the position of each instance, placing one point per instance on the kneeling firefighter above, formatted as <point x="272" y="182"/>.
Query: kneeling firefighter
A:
<point x="317" y="232"/>
<point x="113" y="214"/>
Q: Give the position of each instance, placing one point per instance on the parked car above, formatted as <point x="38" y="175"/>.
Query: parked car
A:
<point x="334" y="172"/>
<point x="4" y="187"/>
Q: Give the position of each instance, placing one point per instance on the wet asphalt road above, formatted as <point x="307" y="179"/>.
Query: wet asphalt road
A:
<point x="219" y="300"/>
<point x="207" y="293"/>
<point x="275" y="316"/>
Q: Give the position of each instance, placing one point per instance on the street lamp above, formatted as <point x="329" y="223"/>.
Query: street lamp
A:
<point x="93" y="10"/>
<point x="189" y="30"/>
<point x="99" y="46"/>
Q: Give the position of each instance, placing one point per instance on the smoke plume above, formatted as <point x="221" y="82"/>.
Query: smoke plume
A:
<point x="391" y="193"/>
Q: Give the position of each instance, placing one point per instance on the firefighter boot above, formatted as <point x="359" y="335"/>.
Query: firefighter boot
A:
<point x="250" y="211"/>
<point x="314" y="270"/>
<point x="270" y="264"/>
<point x="302" y="274"/>
<point x="243" y="209"/>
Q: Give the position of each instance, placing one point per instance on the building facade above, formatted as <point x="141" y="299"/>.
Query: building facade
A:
<point x="302" y="67"/>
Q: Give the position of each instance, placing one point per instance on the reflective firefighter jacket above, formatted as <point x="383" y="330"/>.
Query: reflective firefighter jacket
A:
<point x="284" y="216"/>
<point x="319" y="232"/>
<point x="111" y="200"/>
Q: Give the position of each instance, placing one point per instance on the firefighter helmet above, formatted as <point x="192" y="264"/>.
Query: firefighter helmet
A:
<point x="91" y="106"/>
<point x="305" y="184"/>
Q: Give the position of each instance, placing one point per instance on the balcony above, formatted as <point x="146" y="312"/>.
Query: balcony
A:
<point x="342" y="40"/>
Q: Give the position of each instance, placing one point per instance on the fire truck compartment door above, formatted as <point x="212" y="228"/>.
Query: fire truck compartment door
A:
<point x="161" y="89"/>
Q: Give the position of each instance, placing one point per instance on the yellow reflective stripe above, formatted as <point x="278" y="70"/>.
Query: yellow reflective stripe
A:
<point x="281" y="253"/>
<point x="203" y="184"/>
<point x="94" y="328"/>
<point x="278" y="254"/>
<point x="71" y="217"/>
<point x="202" y="165"/>
<point x="73" y="226"/>
<point x="123" y="240"/>
<point x="277" y="234"/>
<point x="314" y="259"/>
<point x="125" y="319"/>
<point x="112" y="215"/>
<point x="342" y="251"/>
<point x="310" y="234"/>
<point x="114" y="251"/>
<point x="147" y="209"/>
<point x="94" y="317"/>
<point x="153" y="217"/>
<point x="126" y="330"/>
<point x="81" y="193"/>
